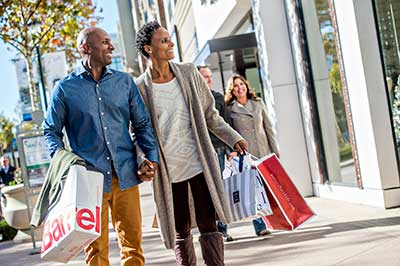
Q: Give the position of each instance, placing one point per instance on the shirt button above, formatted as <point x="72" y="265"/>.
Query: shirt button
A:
<point x="97" y="85"/>
<point x="102" y="113"/>
<point x="105" y="128"/>
<point x="108" y="142"/>
<point x="108" y="172"/>
<point x="99" y="98"/>
<point x="108" y="158"/>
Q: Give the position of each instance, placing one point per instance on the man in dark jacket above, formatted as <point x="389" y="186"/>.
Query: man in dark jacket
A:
<point x="6" y="171"/>
<point x="217" y="143"/>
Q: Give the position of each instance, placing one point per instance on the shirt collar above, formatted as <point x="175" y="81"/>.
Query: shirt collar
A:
<point x="81" y="69"/>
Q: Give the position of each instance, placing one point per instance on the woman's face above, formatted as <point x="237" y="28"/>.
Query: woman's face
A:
<point x="161" y="48"/>
<point x="239" y="88"/>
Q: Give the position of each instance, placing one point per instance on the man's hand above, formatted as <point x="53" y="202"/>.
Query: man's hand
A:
<point x="241" y="147"/>
<point x="147" y="170"/>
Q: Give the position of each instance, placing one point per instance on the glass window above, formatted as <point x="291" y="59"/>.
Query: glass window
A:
<point x="347" y="172"/>
<point x="243" y="61"/>
<point x="388" y="18"/>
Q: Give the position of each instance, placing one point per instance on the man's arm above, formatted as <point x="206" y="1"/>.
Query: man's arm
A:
<point x="147" y="169"/>
<point x="141" y="125"/>
<point x="54" y="121"/>
<point x="215" y="122"/>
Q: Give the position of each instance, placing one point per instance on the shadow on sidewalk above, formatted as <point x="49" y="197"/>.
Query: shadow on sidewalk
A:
<point x="310" y="233"/>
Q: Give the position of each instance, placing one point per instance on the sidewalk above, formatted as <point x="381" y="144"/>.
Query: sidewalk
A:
<point x="340" y="234"/>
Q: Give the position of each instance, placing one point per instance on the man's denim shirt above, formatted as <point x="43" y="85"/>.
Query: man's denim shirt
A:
<point x="96" y="117"/>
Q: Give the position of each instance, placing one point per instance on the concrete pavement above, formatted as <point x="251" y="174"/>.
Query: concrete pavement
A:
<point x="341" y="234"/>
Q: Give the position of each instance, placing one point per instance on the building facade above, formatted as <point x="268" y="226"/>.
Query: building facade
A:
<point x="328" y="71"/>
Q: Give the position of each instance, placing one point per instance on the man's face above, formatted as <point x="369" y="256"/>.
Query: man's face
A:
<point x="100" y="48"/>
<point x="4" y="162"/>
<point x="207" y="75"/>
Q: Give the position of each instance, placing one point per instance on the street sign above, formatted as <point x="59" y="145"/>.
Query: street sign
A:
<point x="35" y="162"/>
<point x="37" y="159"/>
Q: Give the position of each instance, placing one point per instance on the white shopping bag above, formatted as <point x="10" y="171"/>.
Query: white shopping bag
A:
<point x="74" y="220"/>
<point x="245" y="190"/>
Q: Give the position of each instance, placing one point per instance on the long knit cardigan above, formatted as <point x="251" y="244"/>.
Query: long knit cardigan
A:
<point x="203" y="116"/>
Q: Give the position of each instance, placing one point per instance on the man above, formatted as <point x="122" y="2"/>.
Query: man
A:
<point x="96" y="105"/>
<point x="217" y="143"/>
<point x="6" y="171"/>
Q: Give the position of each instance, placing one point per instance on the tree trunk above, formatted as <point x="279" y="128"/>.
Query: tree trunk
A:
<point x="32" y="86"/>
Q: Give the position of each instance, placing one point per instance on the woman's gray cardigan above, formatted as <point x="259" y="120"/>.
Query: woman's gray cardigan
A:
<point x="203" y="117"/>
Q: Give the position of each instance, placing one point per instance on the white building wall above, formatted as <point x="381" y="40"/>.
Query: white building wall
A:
<point x="368" y="101"/>
<point x="291" y="132"/>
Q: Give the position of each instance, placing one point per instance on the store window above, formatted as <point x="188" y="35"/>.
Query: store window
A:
<point x="341" y="110"/>
<point x="388" y="19"/>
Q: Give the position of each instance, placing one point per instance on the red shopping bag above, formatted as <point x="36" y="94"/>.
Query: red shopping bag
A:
<point x="288" y="206"/>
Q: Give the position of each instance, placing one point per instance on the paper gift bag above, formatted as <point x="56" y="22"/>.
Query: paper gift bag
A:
<point x="244" y="190"/>
<point x="74" y="220"/>
<point x="288" y="206"/>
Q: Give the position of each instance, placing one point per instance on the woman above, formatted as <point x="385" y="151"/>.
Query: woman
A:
<point x="182" y="110"/>
<point x="248" y="115"/>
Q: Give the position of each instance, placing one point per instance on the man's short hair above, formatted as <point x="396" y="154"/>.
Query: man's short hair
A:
<point x="202" y="66"/>
<point x="83" y="36"/>
<point x="143" y="36"/>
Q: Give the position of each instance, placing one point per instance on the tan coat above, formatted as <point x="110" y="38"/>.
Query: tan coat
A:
<point x="254" y="124"/>
<point x="203" y="116"/>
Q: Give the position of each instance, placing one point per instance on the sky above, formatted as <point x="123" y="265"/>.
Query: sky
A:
<point x="8" y="79"/>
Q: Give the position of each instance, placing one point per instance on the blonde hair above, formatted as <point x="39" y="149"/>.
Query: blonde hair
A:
<point x="229" y="97"/>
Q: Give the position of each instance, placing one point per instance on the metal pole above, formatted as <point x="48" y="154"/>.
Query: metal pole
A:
<point x="43" y="88"/>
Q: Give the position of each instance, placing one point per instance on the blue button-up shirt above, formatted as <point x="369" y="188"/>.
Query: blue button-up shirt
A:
<point x="96" y="117"/>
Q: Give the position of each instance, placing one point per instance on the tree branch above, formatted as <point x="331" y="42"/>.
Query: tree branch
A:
<point x="12" y="43"/>
<point x="22" y="11"/>
<point x="47" y="31"/>
<point x="34" y="10"/>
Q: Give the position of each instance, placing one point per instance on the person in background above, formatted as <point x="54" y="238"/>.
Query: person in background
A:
<point x="248" y="115"/>
<point x="182" y="111"/>
<point x="7" y="175"/>
<point x="219" y="146"/>
<point x="97" y="105"/>
<point x="7" y="171"/>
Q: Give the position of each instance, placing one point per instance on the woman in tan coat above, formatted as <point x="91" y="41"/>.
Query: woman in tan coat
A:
<point x="182" y="111"/>
<point x="248" y="115"/>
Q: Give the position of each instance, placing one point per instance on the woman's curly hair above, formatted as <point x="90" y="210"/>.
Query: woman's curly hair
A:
<point x="143" y="36"/>
<point x="229" y="97"/>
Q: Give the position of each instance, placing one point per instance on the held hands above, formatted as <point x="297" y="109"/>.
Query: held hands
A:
<point x="147" y="170"/>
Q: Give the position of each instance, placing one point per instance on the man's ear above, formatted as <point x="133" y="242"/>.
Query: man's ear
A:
<point x="84" y="49"/>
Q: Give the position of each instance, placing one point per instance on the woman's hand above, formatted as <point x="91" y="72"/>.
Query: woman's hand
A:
<point x="241" y="147"/>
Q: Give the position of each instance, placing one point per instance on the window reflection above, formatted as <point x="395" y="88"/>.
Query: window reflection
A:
<point x="388" y="17"/>
<point x="347" y="169"/>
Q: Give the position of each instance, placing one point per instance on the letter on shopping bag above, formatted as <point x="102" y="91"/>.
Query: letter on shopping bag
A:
<point x="86" y="220"/>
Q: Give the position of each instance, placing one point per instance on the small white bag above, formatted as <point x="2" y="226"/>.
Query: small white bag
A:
<point x="244" y="189"/>
<point x="75" y="220"/>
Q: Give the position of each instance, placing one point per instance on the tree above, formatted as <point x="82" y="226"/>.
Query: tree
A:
<point x="6" y="134"/>
<point x="57" y="24"/>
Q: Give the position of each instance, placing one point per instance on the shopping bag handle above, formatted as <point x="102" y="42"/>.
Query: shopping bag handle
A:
<point x="241" y="159"/>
